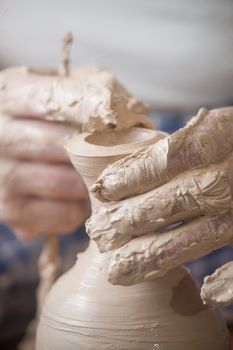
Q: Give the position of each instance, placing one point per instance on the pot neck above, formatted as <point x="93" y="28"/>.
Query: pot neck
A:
<point x="92" y="153"/>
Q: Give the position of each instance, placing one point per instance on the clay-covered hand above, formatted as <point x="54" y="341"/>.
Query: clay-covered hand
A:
<point x="40" y="192"/>
<point x="181" y="188"/>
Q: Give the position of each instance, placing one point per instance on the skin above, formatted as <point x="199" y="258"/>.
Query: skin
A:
<point x="186" y="179"/>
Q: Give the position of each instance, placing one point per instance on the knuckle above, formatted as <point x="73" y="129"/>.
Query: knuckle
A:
<point x="212" y="191"/>
<point x="199" y="150"/>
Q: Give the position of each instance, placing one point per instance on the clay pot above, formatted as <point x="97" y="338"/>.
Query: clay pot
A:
<point x="83" y="311"/>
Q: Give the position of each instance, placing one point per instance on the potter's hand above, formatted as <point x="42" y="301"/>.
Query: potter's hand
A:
<point x="185" y="178"/>
<point x="40" y="192"/>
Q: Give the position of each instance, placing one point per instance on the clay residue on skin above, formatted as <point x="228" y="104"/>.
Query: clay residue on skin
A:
<point x="194" y="146"/>
<point x="202" y="193"/>
<point x="151" y="256"/>
<point x="91" y="98"/>
<point x="218" y="288"/>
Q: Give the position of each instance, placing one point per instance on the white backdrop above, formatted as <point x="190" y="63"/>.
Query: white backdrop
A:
<point x="176" y="54"/>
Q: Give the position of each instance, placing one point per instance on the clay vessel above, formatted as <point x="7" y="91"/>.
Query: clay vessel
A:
<point x="83" y="311"/>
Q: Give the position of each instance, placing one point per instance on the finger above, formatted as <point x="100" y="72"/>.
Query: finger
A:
<point x="89" y="102"/>
<point x="194" y="146"/>
<point x="41" y="180"/>
<point x="217" y="289"/>
<point x="34" y="140"/>
<point x="39" y="216"/>
<point x="153" y="255"/>
<point x="192" y="194"/>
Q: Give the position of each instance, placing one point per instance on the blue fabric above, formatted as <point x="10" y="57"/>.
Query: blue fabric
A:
<point x="168" y="123"/>
<point x="18" y="280"/>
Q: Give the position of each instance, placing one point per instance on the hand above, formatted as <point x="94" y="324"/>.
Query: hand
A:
<point x="184" y="180"/>
<point x="40" y="192"/>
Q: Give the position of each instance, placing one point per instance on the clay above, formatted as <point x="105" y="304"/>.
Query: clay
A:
<point x="84" y="311"/>
<point x="65" y="59"/>
<point x="217" y="289"/>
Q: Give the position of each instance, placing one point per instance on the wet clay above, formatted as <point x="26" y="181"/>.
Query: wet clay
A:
<point x="64" y="69"/>
<point x="84" y="311"/>
<point x="193" y="304"/>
